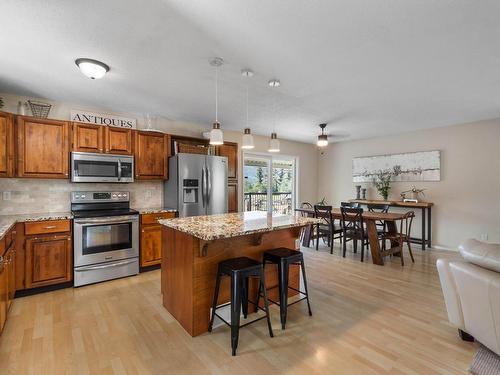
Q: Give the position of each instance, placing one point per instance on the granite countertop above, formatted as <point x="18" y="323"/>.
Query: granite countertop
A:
<point x="153" y="210"/>
<point x="214" y="227"/>
<point x="8" y="221"/>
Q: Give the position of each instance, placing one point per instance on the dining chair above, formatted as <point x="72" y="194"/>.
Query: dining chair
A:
<point x="326" y="228"/>
<point x="353" y="229"/>
<point x="404" y="235"/>
<point x="380" y="224"/>
<point x="350" y="204"/>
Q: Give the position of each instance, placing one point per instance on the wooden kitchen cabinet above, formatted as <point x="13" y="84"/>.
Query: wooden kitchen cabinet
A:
<point x="3" y="293"/>
<point x="7" y="275"/>
<point x="88" y="137"/>
<point x="48" y="260"/>
<point x="232" y="196"/>
<point x="6" y="145"/>
<point x="11" y="274"/>
<point x="118" y="140"/>
<point x="150" y="243"/>
<point x="151" y="155"/>
<point x="230" y="150"/>
<point x="42" y="148"/>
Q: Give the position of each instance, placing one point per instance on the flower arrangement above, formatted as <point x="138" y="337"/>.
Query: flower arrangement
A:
<point x="382" y="181"/>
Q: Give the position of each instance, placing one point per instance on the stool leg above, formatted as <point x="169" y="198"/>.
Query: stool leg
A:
<point x="302" y="266"/>
<point x="283" y="289"/>
<point x="262" y="285"/>
<point x="244" y="297"/>
<point x="214" y="303"/>
<point x="235" y="311"/>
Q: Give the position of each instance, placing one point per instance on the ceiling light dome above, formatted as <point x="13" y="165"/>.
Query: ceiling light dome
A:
<point x="274" y="143"/>
<point x="322" y="138"/>
<point x="92" y="68"/>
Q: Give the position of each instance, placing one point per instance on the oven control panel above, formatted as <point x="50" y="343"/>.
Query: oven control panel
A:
<point x="99" y="196"/>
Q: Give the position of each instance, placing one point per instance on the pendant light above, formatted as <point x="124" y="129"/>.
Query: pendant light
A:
<point x="274" y="143"/>
<point x="322" y="138"/>
<point x="216" y="136"/>
<point x="247" y="142"/>
<point x="91" y="68"/>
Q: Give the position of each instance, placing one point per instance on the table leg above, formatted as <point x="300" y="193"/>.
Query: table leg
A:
<point x="429" y="228"/>
<point x="374" y="245"/>
<point x="423" y="229"/>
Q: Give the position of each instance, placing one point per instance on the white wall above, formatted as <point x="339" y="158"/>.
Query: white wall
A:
<point x="467" y="199"/>
<point x="24" y="190"/>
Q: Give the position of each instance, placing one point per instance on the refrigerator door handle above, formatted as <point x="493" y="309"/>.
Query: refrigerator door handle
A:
<point x="209" y="185"/>
<point x="203" y="183"/>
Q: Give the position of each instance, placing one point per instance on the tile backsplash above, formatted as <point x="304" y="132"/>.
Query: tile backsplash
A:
<point x="34" y="196"/>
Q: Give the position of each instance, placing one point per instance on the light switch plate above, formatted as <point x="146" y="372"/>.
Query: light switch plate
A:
<point x="6" y="195"/>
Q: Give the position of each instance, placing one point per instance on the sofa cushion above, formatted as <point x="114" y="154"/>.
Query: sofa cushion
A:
<point x="486" y="255"/>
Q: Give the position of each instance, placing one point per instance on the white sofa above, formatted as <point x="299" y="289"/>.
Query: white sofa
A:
<point x="471" y="289"/>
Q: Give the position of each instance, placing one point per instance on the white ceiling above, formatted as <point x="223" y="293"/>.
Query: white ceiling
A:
<point x="367" y="67"/>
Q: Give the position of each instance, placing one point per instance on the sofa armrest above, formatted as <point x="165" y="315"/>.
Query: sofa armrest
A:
<point x="479" y="291"/>
<point x="450" y="292"/>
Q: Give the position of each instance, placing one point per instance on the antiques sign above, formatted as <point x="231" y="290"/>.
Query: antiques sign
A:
<point x="103" y="119"/>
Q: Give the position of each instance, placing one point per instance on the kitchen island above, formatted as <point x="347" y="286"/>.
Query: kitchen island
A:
<point x="193" y="246"/>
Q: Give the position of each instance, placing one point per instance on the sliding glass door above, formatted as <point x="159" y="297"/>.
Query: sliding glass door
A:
<point x="269" y="183"/>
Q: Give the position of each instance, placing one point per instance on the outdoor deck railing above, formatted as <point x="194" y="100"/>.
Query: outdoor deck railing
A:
<point x="281" y="202"/>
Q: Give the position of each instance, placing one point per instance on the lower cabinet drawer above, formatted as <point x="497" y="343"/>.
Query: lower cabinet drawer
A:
<point x="91" y="274"/>
<point x="153" y="218"/>
<point x="44" y="227"/>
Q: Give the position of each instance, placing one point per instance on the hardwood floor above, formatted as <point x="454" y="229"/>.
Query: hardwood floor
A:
<point x="367" y="319"/>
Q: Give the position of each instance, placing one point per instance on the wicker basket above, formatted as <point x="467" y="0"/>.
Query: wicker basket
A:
<point x="39" y="109"/>
<point x="192" y="149"/>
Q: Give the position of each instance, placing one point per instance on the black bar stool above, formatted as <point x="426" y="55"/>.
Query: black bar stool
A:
<point x="240" y="270"/>
<point x="284" y="258"/>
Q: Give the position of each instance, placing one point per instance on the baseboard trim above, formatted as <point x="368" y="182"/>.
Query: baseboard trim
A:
<point x="438" y="247"/>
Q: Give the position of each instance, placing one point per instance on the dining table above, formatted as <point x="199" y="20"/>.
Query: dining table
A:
<point x="370" y="219"/>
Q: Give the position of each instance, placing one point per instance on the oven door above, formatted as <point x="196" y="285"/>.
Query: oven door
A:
<point x="105" y="239"/>
<point x="88" y="167"/>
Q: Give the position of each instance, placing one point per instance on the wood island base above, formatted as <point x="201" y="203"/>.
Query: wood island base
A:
<point x="189" y="267"/>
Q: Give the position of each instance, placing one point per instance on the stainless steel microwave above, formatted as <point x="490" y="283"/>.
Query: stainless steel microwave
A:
<point x="89" y="167"/>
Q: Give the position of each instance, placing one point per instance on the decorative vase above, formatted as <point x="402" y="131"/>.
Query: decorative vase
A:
<point x="358" y="191"/>
<point x="385" y="196"/>
<point x="363" y="191"/>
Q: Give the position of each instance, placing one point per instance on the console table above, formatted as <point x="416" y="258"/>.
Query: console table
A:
<point x="426" y="216"/>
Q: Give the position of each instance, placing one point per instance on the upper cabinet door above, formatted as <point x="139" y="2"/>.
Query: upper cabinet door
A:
<point x="43" y="148"/>
<point x="88" y="138"/>
<point x="230" y="150"/>
<point x="6" y="145"/>
<point x="151" y="153"/>
<point x="118" y="140"/>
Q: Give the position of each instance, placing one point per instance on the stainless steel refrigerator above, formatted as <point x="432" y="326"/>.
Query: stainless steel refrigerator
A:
<point x="197" y="185"/>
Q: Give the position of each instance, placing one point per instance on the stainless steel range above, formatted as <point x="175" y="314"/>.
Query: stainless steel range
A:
<point x="106" y="236"/>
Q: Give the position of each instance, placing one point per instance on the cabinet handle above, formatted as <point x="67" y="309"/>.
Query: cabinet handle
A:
<point x="50" y="227"/>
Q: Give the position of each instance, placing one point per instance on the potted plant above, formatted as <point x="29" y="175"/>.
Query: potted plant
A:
<point x="382" y="181"/>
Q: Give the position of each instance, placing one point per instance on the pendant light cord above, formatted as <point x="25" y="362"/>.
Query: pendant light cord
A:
<point x="216" y="92"/>
<point x="247" y="104"/>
